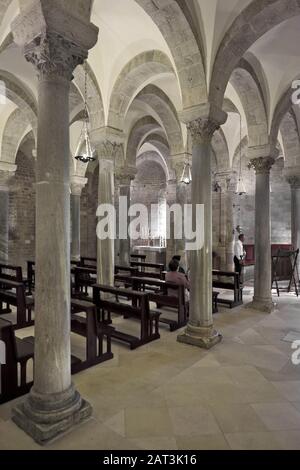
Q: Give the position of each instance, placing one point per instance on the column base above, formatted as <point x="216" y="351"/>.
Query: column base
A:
<point x="44" y="425"/>
<point x="262" y="305"/>
<point x="201" y="337"/>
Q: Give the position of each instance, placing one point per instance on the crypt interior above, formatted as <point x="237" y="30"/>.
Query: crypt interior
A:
<point x="159" y="102"/>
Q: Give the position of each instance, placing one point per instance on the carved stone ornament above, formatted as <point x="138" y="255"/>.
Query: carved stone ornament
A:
<point x="294" y="181"/>
<point x="202" y="129"/>
<point x="262" y="165"/>
<point x="53" y="55"/>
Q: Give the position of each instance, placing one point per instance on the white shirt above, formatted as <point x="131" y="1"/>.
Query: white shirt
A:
<point x="239" y="249"/>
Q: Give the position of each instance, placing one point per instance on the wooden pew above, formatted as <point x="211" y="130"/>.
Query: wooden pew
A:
<point x="17" y="351"/>
<point x="139" y="309"/>
<point x="140" y="258"/>
<point x="86" y="262"/>
<point x="10" y="273"/>
<point x="161" y="296"/>
<point x="94" y="332"/>
<point x="143" y="269"/>
<point x="16" y="296"/>
<point x="83" y="278"/>
<point x="232" y="284"/>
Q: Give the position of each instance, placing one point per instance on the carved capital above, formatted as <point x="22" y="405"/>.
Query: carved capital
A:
<point x="54" y="56"/>
<point x="203" y="129"/>
<point x="294" y="181"/>
<point x="77" y="185"/>
<point x="262" y="165"/>
<point x="125" y="175"/>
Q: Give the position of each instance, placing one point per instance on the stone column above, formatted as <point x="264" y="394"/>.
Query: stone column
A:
<point x="77" y="186"/>
<point x="124" y="178"/>
<point x="5" y="177"/>
<point x="226" y="237"/>
<point x="53" y="405"/>
<point x="108" y="145"/>
<point x="293" y="179"/>
<point x="262" y="299"/>
<point x="200" y="330"/>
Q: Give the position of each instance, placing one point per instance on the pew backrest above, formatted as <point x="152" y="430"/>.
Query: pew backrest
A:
<point x="11" y="273"/>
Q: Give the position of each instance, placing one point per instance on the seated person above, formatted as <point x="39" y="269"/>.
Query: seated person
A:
<point x="178" y="259"/>
<point x="177" y="278"/>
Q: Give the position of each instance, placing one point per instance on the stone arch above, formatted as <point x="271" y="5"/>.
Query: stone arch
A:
<point x="137" y="133"/>
<point x="175" y="28"/>
<point x="17" y="92"/>
<point x="283" y="106"/>
<point x="253" y="105"/>
<point x="150" y="157"/>
<point x="290" y="138"/>
<point x="138" y="71"/>
<point x="220" y="149"/>
<point x="164" y="108"/>
<point x="158" y="141"/>
<point x="13" y="135"/>
<point x="253" y="22"/>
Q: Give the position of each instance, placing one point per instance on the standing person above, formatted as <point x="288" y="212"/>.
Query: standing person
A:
<point x="239" y="256"/>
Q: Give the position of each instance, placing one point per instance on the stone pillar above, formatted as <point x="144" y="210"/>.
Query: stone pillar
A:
<point x="226" y="236"/>
<point x="53" y="405"/>
<point x="77" y="186"/>
<point x="200" y="330"/>
<point x="293" y="179"/>
<point x="5" y="177"/>
<point x="262" y="299"/>
<point x="124" y="178"/>
<point x="109" y="146"/>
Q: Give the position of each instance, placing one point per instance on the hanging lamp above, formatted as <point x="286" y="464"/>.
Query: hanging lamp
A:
<point x="87" y="154"/>
<point x="186" y="177"/>
<point x="240" y="187"/>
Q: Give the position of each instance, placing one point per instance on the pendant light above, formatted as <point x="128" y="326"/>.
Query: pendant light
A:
<point x="186" y="177"/>
<point x="240" y="187"/>
<point x="87" y="154"/>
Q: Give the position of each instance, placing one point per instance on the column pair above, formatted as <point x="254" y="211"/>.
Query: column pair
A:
<point x="53" y="405"/>
<point x="202" y="122"/>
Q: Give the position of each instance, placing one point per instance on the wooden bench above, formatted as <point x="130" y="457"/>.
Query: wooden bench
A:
<point x="144" y="269"/>
<point x="10" y="273"/>
<point x="124" y="271"/>
<point x="139" y="309"/>
<point x="83" y="278"/>
<point x="140" y="258"/>
<point x="94" y="332"/>
<point x="86" y="262"/>
<point x="232" y="284"/>
<point x="13" y="293"/>
<point x="17" y="352"/>
<point x="162" y="297"/>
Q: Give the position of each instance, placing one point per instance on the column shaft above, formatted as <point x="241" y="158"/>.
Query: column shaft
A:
<point x="262" y="299"/>
<point x="125" y="245"/>
<point x="105" y="248"/>
<point x="4" y="224"/>
<point x="75" y="217"/>
<point x="200" y="331"/>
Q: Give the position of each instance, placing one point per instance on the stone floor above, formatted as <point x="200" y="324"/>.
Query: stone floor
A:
<point x="243" y="394"/>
